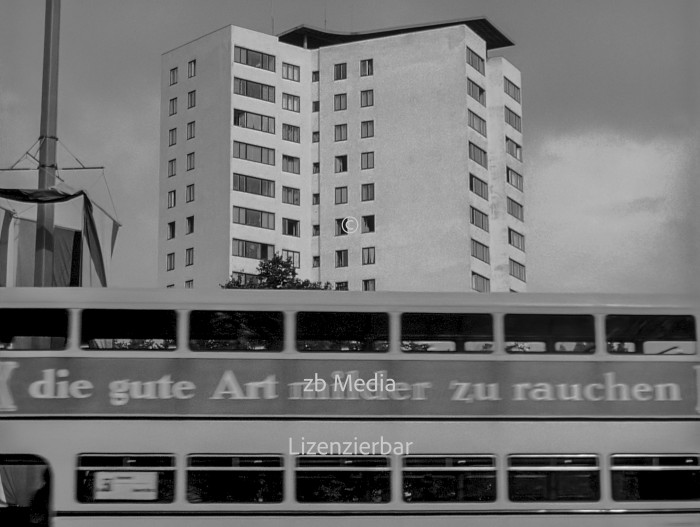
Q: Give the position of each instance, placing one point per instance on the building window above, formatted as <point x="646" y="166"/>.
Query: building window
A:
<point x="290" y="72"/>
<point x="315" y="106"/>
<point x="516" y="239"/>
<point x="340" y="101"/>
<point x="190" y="161"/>
<point x="254" y="90"/>
<point x="173" y="76"/>
<point x="511" y="89"/>
<point x="172" y="136"/>
<point x="513" y="119"/>
<point x="478" y="155"/>
<point x="189" y="193"/>
<point x="367" y="129"/>
<point x="257" y="154"/>
<point x="172" y="106"/>
<point x="478" y="186"/>
<point x="170" y="262"/>
<point x="189" y="284"/>
<point x="255" y="59"/>
<point x="368" y="285"/>
<point x="171" y="230"/>
<point x="254" y="250"/>
<point x="290" y="227"/>
<point x="192" y="99"/>
<point x="476" y="92"/>
<point x="341" y="286"/>
<point x="340" y="71"/>
<point x="254" y="121"/>
<point x="366" y="98"/>
<point x="341" y="164"/>
<point x="172" y="167"/>
<point x="291" y="164"/>
<point x="368" y="223"/>
<point x="316" y="168"/>
<point x="341" y="132"/>
<point x="514" y="178"/>
<point x="315" y="198"/>
<point x="191" y="68"/>
<point x="368" y="192"/>
<point x="315" y="137"/>
<point x="515" y="209"/>
<point x="172" y="200"/>
<point x="315" y="230"/>
<point x="254" y="218"/>
<point x="170" y="286"/>
<point x="367" y="160"/>
<point x="517" y="270"/>
<point x="480" y="283"/>
<point x="481" y="251"/>
<point x="189" y="256"/>
<point x="291" y="133"/>
<point x="477" y="123"/>
<point x="475" y="60"/>
<point x="366" y="67"/>
<point x="294" y="256"/>
<point x="316" y="261"/>
<point x="315" y="76"/>
<point x="367" y="255"/>
<point x="341" y="258"/>
<point x="254" y="185"/>
<point x="291" y="195"/>
<point x="479" y="219"/>
<point x="341" y="195"/>
<point x="190" y="130"/>
<point x="291" y="102"/>
<point x="340" y="227"/>
<point x="514" y="149"/>
<point x="189" y="225"/>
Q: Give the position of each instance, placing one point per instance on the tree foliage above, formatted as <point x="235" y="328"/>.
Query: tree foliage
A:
<point x="275" y="273"/>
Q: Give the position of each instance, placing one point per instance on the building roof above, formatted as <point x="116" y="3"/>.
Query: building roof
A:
<point x="316" y="38"/>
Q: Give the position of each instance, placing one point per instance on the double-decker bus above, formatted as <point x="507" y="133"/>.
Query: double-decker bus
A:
<point x="310" y="408"/>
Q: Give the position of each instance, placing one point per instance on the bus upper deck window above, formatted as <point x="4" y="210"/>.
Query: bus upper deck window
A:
<point x="348" y="331"/>
<point x="553" y="478"/>
<point x="446" y="332"/>
<point x="352" y="479"/>
<point x="33" y="329"/>
<point x="129" y="329"/>
<point x="237" y="330"/>
<point x="432" y="479"/>
<point x="534" y="333"/>
<point x="651" y="334"/>
<point x="667" y="477"/>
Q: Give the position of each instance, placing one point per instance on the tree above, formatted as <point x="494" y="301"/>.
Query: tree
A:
<point x="275" y="273"/>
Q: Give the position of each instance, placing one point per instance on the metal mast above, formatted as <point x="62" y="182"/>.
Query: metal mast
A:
<point x="43" y="259"/>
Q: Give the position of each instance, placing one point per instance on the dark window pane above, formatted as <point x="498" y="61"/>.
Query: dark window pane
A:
<point x="236" y="330"/>
<point x="128" y="329"/>
<point x="554" y="486"/>
<point x="651" y="334"/>
<point x="448" y="486"/>
<point x="655" y="485"/>
<point x="349" y="331"/>
<point x="343" y="487"/>
<point x="40" y="329"/>
<point x="445" y="332"/>
<point x="241" y="484"/>
<point x="549" y="334"/>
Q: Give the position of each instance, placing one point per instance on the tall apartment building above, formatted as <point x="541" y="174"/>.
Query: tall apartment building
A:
<point x="387" y="160"/>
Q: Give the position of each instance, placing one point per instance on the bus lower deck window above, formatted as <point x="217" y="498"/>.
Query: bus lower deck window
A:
<point x="553" y="478"/>
<point x="651" y="334"/>
<point x="37" y="329"/>
<point x="655" y="478"/>
<point x="125" y="478"/>
<point x="326" y="479"/>
<point x="129" y="329"/>
<point x="236" y="330"/>
<point x="528" y="333"/>
<point x="446" y="332"/>
<point x="234" y="479"/>
<point x="449" y="479"/>
<point x="347" y="331"/>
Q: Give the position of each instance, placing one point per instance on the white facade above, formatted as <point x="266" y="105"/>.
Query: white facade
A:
<point x="391" y="140"/>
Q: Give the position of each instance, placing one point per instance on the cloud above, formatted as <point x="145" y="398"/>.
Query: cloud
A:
<point x="609" y="214"/>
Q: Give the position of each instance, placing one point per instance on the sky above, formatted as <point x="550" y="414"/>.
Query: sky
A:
<point x="611" y="118"/>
